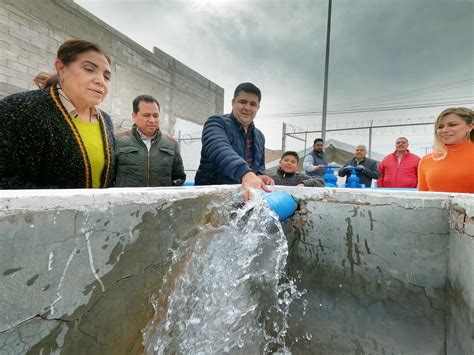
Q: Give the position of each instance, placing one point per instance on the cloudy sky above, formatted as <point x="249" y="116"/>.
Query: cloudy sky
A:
<point x="384" y="53"/>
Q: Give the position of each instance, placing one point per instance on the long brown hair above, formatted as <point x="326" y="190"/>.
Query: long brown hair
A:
<point x="68" y="53"/>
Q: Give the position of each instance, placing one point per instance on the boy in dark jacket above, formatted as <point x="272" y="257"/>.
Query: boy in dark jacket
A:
<point x="286" y="174"/>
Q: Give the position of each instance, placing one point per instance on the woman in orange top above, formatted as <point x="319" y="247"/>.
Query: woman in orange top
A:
<point x="450" y="168"/>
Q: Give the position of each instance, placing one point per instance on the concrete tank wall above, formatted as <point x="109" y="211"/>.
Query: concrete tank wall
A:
<point x="384" y="271"/>
<point x="77" y="268"/>
<point x="460" y="283"/>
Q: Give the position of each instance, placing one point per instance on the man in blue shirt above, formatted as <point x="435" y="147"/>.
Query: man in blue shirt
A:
<point x="233" y="149"/>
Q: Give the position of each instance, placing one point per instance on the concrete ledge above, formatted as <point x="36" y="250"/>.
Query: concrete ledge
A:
<point x="385" y="271"/>
<point x="78" y="267"/>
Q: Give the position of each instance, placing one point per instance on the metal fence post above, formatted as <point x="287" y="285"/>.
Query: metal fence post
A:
<point x="305" y="140"/>
<point x="370" y="139"/>
<point x="283" y="138"/>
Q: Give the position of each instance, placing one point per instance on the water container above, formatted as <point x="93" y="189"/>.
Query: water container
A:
<point x="282" y="203"/>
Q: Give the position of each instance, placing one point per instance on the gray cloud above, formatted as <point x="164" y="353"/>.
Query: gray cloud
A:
<point x="377" y="47"/>
<point x="401" y="46"/>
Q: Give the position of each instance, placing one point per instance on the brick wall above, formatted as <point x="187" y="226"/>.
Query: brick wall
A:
<point x="31" y="32"/>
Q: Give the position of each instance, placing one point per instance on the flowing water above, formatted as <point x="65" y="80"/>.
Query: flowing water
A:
<point x="226" y="290"/>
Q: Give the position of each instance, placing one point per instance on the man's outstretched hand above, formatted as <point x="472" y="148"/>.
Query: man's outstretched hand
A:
<point x="267" y="180"/>
<point x="251" y="181"/>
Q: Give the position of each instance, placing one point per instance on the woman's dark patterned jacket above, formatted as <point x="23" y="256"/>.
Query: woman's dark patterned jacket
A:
<point x="41" y="148"/>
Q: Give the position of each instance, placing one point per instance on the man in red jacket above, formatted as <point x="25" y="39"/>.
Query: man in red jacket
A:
<point x="399" y="169"/>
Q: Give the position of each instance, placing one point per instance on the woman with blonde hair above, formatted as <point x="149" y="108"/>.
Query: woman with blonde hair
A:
<point x="450" y="168"/>
<point x="57" y="137"/>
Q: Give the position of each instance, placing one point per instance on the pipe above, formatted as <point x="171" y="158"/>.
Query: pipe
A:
<point x="282" y="203"/>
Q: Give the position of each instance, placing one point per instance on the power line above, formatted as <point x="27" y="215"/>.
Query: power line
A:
<point x="438" y="88"/>
<point x="438" y="98"/>
<point x="370" y="109"/>
<point x="370" y="102"/>
<point x="405" y="102"/>
<point x="421" y="91"/>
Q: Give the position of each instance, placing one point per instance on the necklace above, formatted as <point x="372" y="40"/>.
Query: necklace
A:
<point x="61" y="93"/>
<point x="90" y="117"/>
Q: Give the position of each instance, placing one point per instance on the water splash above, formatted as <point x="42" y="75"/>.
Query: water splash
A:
<point x="226" y="290"/>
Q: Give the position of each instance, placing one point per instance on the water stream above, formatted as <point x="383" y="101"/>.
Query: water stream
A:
<point x="226" y="290"/>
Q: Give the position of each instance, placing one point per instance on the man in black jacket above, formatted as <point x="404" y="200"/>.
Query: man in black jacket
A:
<point x="145" y="156"/>
<point x="368" y="167"/>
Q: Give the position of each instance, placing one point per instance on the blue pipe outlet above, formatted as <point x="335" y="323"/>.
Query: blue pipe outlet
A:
<point x="282" y="203"/>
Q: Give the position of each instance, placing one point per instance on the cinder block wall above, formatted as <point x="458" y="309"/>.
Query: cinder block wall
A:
<point x="31" y="32"/>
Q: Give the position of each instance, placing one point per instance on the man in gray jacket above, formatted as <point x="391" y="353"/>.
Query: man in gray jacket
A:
<point x="314" y="161"/>
<point x="367" y="167"/>
<point x="144" y="156"/>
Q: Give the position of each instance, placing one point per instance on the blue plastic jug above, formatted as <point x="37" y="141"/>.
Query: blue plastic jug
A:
<point x="282" y="203"/>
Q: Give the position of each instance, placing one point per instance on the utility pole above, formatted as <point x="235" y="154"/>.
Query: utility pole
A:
<point x="326" y="73"/>
<point x="283" y="138"/>
<point x="370" y="139"/>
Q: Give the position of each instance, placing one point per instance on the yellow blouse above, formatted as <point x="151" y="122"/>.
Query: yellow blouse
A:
<point x="91" y="136"/>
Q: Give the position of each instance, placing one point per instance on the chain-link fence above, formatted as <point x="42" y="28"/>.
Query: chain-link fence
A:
<point x="378" y="138"/>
